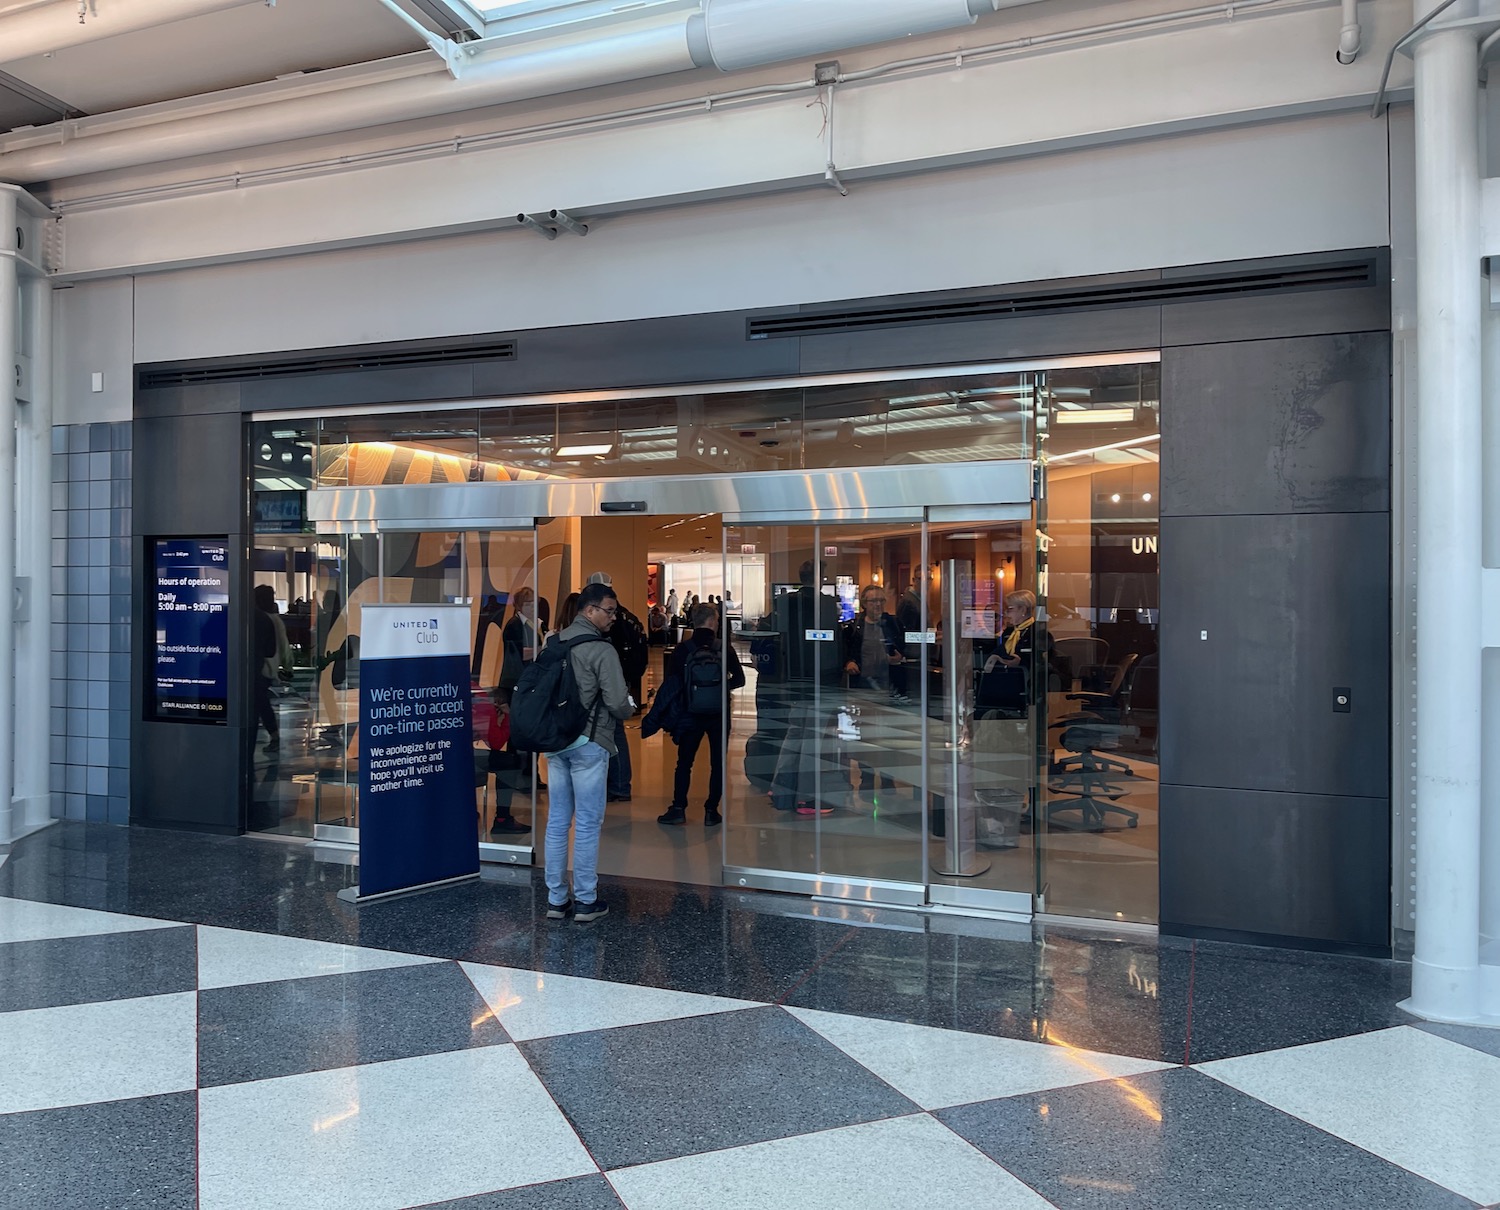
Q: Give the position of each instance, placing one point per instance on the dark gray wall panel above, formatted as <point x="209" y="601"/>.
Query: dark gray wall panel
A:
<point x="188" y="400"/>
<point x="370" y="388"/>
<point x="1129" y="328"/>
<point x="189" y="475"/>
<point x="1293" y="606"/>
<point x="1277" y="426"/>
<point x="643" y="352"/>
<point x="1286" y="865"/>
<point x="185" y="776"/>
<point x="1311" y="313"/>
<point x="189" y="479"/>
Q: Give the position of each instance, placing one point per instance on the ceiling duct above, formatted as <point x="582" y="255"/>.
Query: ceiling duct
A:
<point x="752" y="33"/>
<point x="653" y="41"/>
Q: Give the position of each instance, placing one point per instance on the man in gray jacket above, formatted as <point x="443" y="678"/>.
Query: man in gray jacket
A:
<point x="577" y="774"/>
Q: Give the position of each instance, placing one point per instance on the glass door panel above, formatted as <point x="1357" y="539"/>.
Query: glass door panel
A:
<point x="824" y="758"/>
<point x="282" y="570"/>
<point x="348" y="576"/>
<point x="983" y="704"/>
<point x="504" y="617"/>
<point x="1100" y="852"/>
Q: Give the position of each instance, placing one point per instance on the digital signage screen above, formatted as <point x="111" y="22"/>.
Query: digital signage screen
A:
<point x="188" y="673"/>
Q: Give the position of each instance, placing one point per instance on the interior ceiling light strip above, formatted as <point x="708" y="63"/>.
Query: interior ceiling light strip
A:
<point x="1342" y="275"/>
<point x="669" y="392"/>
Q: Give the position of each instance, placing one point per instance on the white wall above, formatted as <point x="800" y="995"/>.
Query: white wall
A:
<point x="1283" y="187"/>
<point x="93" y="335"/>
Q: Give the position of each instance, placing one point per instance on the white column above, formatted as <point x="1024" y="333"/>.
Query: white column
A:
<point x="1489" y="848"/>
<point x="1445" y="969"/>
<point x="32" y="801"/>
<point x="10" y="322"/>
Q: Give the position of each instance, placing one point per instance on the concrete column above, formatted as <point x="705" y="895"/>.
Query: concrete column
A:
<point x="1445" y="969"/>
<point x="10" y="323"/>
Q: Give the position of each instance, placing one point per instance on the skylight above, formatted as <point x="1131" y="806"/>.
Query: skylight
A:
<point x="488" y="18"/>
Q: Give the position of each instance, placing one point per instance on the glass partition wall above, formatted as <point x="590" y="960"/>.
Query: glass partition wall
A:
<point x="957" y="707"/>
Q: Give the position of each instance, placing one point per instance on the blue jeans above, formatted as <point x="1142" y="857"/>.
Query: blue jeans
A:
<point x="619" y="766"/>
<point x="575" y="790"/>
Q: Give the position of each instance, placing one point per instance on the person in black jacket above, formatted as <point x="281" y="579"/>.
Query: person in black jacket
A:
<point x="267" y="652"/>
<point x="873" y="648"/>
<point x="628" y="637"/>
<point x="701" y="723"/>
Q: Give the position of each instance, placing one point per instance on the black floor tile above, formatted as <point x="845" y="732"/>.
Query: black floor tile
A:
<point x="1178" y="1140"/>
<point x="674" y="1088"/>
<point x="118" y="1154"/>
<point x="579" y="1193"/>
<point x="1164" y="999"/>
<point x="261" y="1030"/>
<point x="1096" y="994"/>
<point x="1247" y="999"/>
<point x="105" y="966"/>
<point x="1472" y="1036"/>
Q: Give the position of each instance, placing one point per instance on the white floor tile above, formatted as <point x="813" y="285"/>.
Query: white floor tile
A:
<point x="82" y="1053"/>
<point x="937" y="1068"/>
<point x="24" y="920"/>
<point x="531" y="1004"/>
<point x="898" y="1164"/>
<point x="230" y="957"/>
<point x="385" y="1135"/>
<point x="1417" y="1100"/>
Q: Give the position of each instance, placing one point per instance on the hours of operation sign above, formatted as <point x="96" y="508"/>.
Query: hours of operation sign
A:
<point x="189" y="673"/>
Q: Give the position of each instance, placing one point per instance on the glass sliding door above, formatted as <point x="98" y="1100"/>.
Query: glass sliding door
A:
<point x="505" y="619"/>
<point x="984" y="694"/>
<point x="348" y="577"/>
<point x="1100" y="435"/>
<point x="827" y="735"/>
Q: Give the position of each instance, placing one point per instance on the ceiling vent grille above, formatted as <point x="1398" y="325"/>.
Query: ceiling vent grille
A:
<point x="504" y="350"/>
<point x="1209" y="287"/>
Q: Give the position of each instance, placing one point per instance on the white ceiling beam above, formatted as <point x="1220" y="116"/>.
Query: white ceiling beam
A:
<point x="59" y="25"/>
<point x="1256" y="71"/>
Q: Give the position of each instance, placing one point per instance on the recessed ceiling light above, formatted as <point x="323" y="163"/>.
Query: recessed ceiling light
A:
<point x="1096" y="416"/>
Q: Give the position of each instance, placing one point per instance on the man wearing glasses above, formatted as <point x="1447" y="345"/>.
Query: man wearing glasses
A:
<point x="577" y="774"/>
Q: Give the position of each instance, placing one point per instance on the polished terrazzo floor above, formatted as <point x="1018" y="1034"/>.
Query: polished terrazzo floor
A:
<point x="199" y="1021"/>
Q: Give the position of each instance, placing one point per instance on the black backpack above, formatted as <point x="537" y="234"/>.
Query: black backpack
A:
<point x="546" y="713"/>
<point x="629" y="641"/>
<point x="703" y="681"/>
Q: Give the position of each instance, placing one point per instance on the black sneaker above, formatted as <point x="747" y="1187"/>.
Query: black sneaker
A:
<point x="676" y="816"/>
<point x="711" y="817"/>
<point x="585" y="912"/>
<point x="559" y="911"/>
<point x="509" y="827"/>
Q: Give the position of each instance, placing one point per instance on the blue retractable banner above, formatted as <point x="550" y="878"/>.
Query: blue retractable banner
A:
<point x="416" y="750"/>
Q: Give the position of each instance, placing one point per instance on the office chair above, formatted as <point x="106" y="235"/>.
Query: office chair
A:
<point x="1083" y="657"/>
<point x="1090" y="781"/>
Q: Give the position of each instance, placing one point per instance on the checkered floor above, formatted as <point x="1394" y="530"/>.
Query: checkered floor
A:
<point x="160" y="1065"/>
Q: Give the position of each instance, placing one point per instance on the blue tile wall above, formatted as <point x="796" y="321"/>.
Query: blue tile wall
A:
<point x="91" y="531"/>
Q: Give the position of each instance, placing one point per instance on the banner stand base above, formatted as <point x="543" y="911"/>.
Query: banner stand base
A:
<point x="351" y="894"/>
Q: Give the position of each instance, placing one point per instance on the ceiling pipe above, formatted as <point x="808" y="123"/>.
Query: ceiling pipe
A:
<point x="57" y="26"/>
<point x="726" y="34"/>
<point x="1350" y="36"/>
